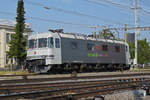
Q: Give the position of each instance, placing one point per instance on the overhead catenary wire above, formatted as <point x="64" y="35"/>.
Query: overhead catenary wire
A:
<point x="47" y="20"/>
<point x="144" y="17"/>
<point x="77" y="24"/>
<point x="96" y="2"/>
<point x="60" y="10"/>
<point x="55" y="21"/>
<point x="125" y="6"/>
<point x="61" y="22"/>
<point x="106" y="2"/>
<point x="73" y="12"/>
<point x="91" y="1"/>
<point x="122" y="6"/>
<point x="131" y="28"/>
<point x="144" y="4"/>
<point x="116" y="4"/>
<point x="146" y="12"/>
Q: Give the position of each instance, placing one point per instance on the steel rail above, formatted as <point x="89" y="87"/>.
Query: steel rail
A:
<point x="11" y="87"/>
<point x="123" y="74"/>
<point x="71" y="78"/>
<point x="87" y="94"/>
<point x="66" y="89"/>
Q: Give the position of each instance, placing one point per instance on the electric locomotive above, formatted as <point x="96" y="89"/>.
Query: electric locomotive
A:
<point x="64" y="52"/>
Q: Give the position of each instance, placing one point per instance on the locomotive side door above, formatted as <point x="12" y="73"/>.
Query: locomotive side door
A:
<point x="128" y="60"/>
<point x="57" y="49"/>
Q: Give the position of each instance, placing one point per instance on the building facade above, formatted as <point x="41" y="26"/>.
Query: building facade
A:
<point x="6" y="30"/>
<point x="131" y="37"/>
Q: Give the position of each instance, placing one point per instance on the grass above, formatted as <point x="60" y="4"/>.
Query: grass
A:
<point x="140" y="69"/>
<point x="13" y="72"/>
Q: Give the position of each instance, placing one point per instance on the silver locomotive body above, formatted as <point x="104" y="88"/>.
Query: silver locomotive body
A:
<point x="62" y="52"/>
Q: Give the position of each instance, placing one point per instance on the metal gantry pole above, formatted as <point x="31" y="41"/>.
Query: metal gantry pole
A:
<point x="136" y="31"/>
<point x="95" y="30"/>
<point x="125" y="34"/>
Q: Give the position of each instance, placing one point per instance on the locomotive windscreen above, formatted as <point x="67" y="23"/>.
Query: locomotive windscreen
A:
<point x="42" y="42"/>
<point x="32" y="43"/>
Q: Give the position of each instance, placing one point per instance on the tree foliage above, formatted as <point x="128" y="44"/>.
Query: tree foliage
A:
<point x="18" y="42"/>
<point x="106" y="34"/>
<point x="143" y="51"/>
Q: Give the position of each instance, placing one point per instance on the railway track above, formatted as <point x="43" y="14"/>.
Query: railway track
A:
<point x="26" y="79"/>
<point x="8" y="88"/>
<point x="122" y="75"/>
<point x="62" y="90"/>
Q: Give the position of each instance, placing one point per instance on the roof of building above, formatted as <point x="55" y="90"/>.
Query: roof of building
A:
<point x="7" y="22"/>
<point x="11" y="23"/>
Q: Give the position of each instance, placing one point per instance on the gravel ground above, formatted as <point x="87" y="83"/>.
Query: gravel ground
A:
<point x="69" y="75"/>
<point x="86" y="74"/>
<point x="128" y="95"/>
<point x="146" y="98"/>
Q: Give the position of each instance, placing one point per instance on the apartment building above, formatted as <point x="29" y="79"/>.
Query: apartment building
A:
<point x="6" y="30"/>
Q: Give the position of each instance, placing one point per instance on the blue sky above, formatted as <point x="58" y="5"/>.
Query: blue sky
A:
<point x="77" y="15"/>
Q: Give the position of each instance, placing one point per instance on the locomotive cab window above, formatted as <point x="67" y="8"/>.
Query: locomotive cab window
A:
<point x="105" y="47"/>
<point x="117" y="48"/>
<point x="126" y="48"/>
<point x="90" y="46"/>
<point x="42" y="42"/>
<point x="50" y="42"/>
<point x="32" y="43"/>
<point x="57" y="43"/>
<point x="74" y="45"/>
<point x="98" y="47"/>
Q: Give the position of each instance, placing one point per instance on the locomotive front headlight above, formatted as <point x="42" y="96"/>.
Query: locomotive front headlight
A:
<point x="50" y="56"/>
<point x="28" y="58"/>
<point x="43" y="56"/>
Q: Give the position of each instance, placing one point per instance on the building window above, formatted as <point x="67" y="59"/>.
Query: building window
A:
<point x="57" y="43"/>
<point x="117" y="48"/>
<point x="74" y="45"/>
<point x="7" y="59"/>
<point x="90" y="47"/>
<point x="11" y="60"/>
<point x="7" y="38"/>
<point x="105" y="47"/>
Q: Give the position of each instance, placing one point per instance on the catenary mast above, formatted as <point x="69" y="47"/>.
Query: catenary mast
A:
<point x="136" y="31"/>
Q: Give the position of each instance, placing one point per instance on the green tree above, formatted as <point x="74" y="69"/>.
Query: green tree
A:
<point x="131" y="49"/>
<point x="106" y="34"/>
<point x="143" y="51"/>
<point x="17" y="44"/>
